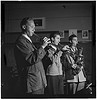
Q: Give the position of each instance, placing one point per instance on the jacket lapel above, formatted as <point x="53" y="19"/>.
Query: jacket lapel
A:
<point x="30" y="43"/>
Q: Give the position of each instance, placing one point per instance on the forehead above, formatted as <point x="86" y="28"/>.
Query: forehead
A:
<point x="57" y="36"/>
<point x="30" y="22"/>
<point x="74" y="38"/>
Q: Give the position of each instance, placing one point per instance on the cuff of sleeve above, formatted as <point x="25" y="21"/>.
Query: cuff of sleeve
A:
<point x="43" y="47"/>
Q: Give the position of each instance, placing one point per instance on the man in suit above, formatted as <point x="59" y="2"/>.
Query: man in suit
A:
<point x="74" y="66"/>
<point x="28" y="60"/>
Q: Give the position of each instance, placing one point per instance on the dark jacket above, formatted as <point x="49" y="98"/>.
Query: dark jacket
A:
<point x="30" y="67"/>
<point x="67" y="62"/>
<point x="68" y="67"/>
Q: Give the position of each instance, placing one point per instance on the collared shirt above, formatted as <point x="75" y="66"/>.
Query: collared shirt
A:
<point x="25" y="35"/>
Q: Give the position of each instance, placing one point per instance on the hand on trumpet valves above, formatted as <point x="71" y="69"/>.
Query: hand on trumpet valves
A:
<point x="66" y="47"/>
<point x="60" y="53"/>
<point x="46" y="41"/>
<point x="74" y="66"/>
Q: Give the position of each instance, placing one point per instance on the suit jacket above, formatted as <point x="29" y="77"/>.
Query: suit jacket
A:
<point x="68" y="69"/>
<point x="67" y="62"/>
<point x="29" y="64"/>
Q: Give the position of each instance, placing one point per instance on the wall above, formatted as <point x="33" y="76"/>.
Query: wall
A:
<point x="73" y="16"/>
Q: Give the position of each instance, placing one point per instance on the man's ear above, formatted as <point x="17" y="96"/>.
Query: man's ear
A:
<point x="24" y="27"/>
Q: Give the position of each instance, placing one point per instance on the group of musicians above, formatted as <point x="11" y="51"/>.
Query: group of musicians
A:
<point x="41" y="70"/>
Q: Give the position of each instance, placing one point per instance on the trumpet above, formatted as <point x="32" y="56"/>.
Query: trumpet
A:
<point x="50" y="43"/>
<point x="41" y="39"/>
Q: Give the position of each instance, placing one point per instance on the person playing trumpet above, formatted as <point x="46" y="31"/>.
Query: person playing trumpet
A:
<point x="28" y="59"/>
<point x="74" y="66"/>
<point x="53" y="63"/>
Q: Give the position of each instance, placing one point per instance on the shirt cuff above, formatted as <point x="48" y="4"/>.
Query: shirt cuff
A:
<point x="43" y="47"/>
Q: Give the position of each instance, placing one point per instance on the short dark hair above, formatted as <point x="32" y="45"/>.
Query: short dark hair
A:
<point x="71" y="37"/>
<point x="25" y="21"/>
<point x="53" y="35"/>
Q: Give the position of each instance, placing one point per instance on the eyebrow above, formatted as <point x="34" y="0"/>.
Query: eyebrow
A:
<point x="31" y="26"/>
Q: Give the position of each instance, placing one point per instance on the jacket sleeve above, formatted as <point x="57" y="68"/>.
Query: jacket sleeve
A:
<point x="29" y="54"/>
<point x="66" y="61"/>
<point x="40" y="54"/>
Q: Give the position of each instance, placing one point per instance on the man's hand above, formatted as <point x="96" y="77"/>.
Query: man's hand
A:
<point x="74" y="66"/>
<point x="66" y="47"/>
<point x="46" y="41"/>
<point x="60" y="53"/>
<point x="51" y="52"/>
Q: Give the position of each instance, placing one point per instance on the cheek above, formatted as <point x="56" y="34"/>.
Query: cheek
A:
<point x="57" y="40"/>
<point x="74" y="42"/>
<point x="28" y="29"/>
